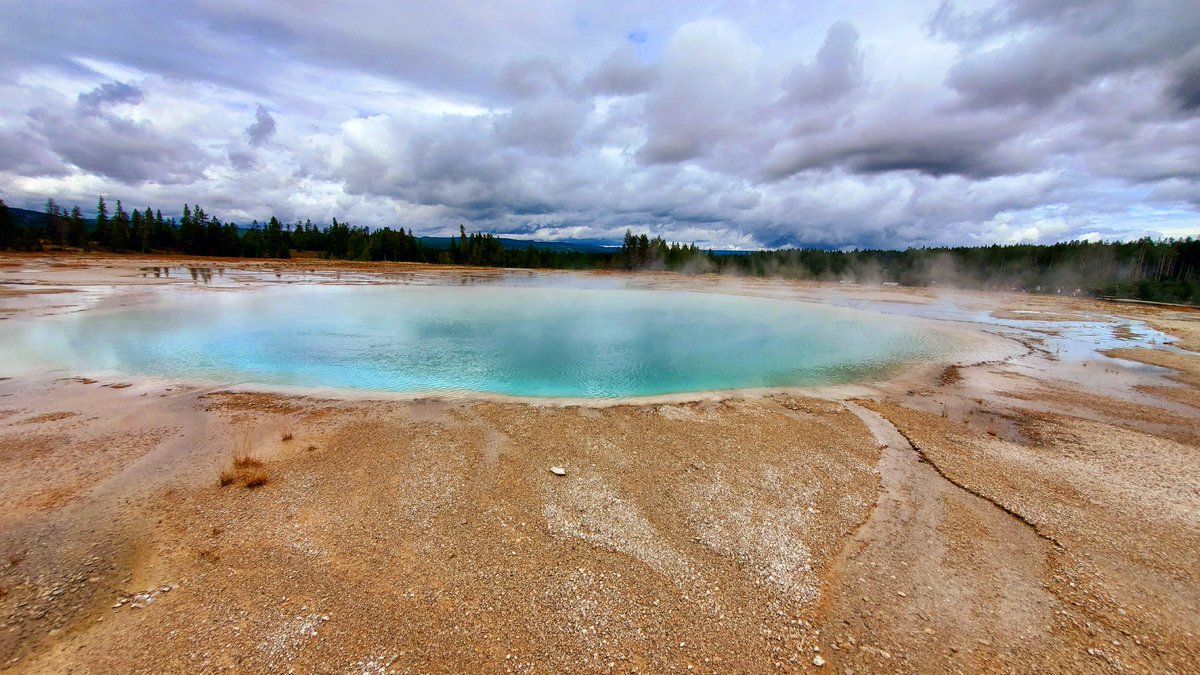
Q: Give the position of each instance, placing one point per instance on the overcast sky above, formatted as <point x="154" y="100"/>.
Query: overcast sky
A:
<point x="734" y="125"/>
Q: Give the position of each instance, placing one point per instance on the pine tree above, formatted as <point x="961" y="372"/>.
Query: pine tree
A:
<point x="164" y="233"/>
<point x="231" y="244"/>
<point x="273" y="238"/>
<point x="147" y="229"/>
<point x="56" y="227"/>
<point x="119" y="237"/>
<point x="103" y="226"/>
<point x="77" y="229"/>
<point x="8" y="227"/>
<point x="214" y="233"/>
<point x="629" y="250"/>
<point x="187" y="231"/>
<point x="135" y="227"/>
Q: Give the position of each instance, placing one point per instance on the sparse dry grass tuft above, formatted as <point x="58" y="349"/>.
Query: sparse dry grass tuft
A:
<point x="244" y="468"/>
<point x="256" y="478"/>
<point x="950" y="375"/>
<point x="246" y="462"/>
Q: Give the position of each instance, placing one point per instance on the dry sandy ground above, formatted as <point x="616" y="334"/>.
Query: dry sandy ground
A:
<point x="1020" y="514"/>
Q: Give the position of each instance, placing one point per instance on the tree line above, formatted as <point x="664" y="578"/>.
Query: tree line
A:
<point x="1165" y="270"/>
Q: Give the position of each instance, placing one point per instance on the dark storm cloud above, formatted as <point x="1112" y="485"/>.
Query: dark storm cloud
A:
<point x="123" y="149"/>
<point x="933" y="145"/>
<point x="93" y="138"/>
<point x="932" y="154"/>
<point x="23" y="153"/>
<point x="109" y="92"/>
<point x="1185" y="84"/>
<point x="1033" y="52"/>
<point x="263" y="127"/>
<point x="455" y="163"/>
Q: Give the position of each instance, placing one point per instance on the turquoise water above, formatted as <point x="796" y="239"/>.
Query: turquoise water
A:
<point x="524" y="341"/>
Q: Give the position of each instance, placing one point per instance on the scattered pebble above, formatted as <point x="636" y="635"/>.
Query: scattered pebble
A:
<point x="140" y="600"/>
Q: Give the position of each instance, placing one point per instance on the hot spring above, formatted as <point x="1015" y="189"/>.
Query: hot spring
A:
<point x="540" y="341"/>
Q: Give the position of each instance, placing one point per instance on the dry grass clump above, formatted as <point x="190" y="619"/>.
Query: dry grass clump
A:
<point x="256" y="478"/>
<point x="244" y="468"/>
<point x="950" y="375"/>
<point x="247" y="462"/>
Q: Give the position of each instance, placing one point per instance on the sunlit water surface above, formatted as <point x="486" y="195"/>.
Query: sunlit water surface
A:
<point x="523" y="341"/>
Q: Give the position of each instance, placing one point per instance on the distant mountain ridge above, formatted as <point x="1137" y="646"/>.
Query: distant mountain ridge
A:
<point x="27" y="218"/>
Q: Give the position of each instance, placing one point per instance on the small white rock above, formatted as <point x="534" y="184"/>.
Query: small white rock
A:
<point x="818" y="661"/>
<point x="558" y="471"/>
